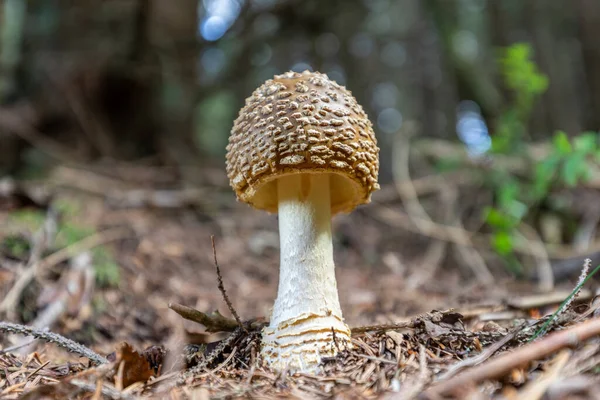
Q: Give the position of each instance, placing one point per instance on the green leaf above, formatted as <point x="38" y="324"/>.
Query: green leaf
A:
<point x="573" y="168"/>
<point x="448" y="164"/>
<point x="561" y="143"/>
<point x="502" y="242"/>
<point x="508" y="193"/>
<point x="108" y="273"/>
<point x="587" y="142"/>
<point x="544" y="174"/>
<point x="496" y="218"/>
<point x="517" y="209"/>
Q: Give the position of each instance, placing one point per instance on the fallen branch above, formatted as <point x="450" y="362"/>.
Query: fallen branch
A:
<point x="214" y="322"/>
<point x="503" y="364"/>
<point x="55" y="338"/>
<point x="383" y="327"/>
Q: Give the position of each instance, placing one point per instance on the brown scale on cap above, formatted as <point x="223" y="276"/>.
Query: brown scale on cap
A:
<point x="302" y="123"/>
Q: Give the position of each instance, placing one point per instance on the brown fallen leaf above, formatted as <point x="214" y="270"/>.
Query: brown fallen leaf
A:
<point x="130" y="366"/>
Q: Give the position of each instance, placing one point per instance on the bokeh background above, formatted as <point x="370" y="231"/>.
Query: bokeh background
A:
<point x="117" y="112"/>
<point x="126" y="79"/>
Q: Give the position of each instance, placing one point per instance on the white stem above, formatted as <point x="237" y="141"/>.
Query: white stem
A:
<point x="307" y="306"/>
<point x="307" y="272"/>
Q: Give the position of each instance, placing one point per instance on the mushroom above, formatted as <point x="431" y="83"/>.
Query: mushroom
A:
<point x="304" y="148"/>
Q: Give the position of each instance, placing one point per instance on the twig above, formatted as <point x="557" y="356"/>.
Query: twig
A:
<point x="382" y="327"/>
<point x="105" y="390"/>
<point x="16" y="347"/>
<point x="410" y="199"/>
<point x="41" y="241"/>
<point x="398" y="219"/>
<point x="501" y="365"/>
<point x="416" y="385"/>
<point x="222" y="287"/>
<point x="472" y="258"/>
<point x="535" y="390"/>
<point x="583" y="278"/>
<point x="61" y="255"/>
<point x="214" y="322"/>
<point x="544" y="268"/>
<point x="75" y="285"/>
<point x="221" y="347"/>
<point x="55" y="338"/>
<point x="224" y="363"/>
<point x="88" y="243"/>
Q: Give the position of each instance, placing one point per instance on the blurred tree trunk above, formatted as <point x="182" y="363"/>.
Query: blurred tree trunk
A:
<point x="589" y="21"/>
<point x="105" y="79"/>
<point x="12" y="23"/>
<point x="172" y="31"/>
<point x="558" y="56"/>
<point x="463" y="41"/>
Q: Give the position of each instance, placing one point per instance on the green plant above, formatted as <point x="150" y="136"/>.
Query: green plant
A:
<point x="16" y="246"/>
<point x="582" y="281"/>
<point x="70" y="231"/>
<point x="566" y="164"/>
<point x="526" y="83"/>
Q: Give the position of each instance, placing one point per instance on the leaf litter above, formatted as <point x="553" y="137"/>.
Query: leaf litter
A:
<point x="151" y="352"/>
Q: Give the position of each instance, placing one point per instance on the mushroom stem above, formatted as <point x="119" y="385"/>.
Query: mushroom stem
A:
<point x="307" y="309"/>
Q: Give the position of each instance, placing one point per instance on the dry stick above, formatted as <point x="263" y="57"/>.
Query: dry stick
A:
<point x="79" y="282"/>
<point x="41" y="241"/>
<point x="382" y="327"/>
<point x="61" y="255"/>
<point x="409" y="197"/>
<point x="55" y="338"/>
<point x="214" y="322"/>
<point x="105" y="390"/>
<point x="397" y="219"/>
<point x="535" y="390"/>
<point x="544" y="268"/>
<point x="415" y="210"/>
<point x="222" y="287"/>
<point x="501" y="365"/>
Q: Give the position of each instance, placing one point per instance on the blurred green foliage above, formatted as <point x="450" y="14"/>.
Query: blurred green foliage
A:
<point x="69" y="232"/>
<point x="526" y="83"/>
<point x="16" y="246"/>
<point x="214" y="118"/>
<point x="566" y="164"/>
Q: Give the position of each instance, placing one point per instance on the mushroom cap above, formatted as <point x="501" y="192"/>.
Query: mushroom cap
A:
<point x="302" y="123"/>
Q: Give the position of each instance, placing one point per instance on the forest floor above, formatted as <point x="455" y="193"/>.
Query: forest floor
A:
<point x="422" y="324"/>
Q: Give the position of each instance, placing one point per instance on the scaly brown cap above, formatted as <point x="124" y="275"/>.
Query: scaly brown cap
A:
<point x="302" y="123"/>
